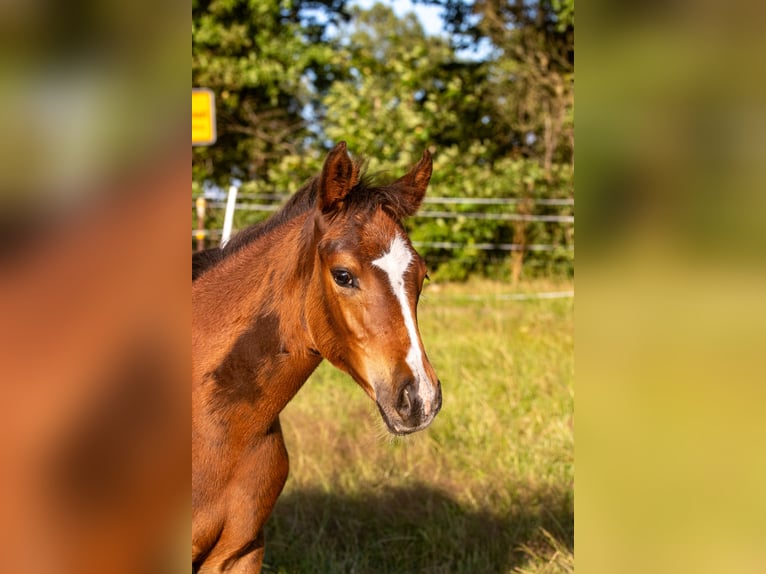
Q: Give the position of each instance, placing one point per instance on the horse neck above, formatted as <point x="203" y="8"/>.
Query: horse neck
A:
<point x="249" y="327"/>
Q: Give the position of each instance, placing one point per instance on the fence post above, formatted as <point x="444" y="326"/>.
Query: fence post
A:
<point x="228" y="220"/>
<point x="200" y="235"/>
<point x="520" y="235"/>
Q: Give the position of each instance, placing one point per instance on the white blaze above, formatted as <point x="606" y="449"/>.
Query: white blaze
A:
<point x="395" y="263"/>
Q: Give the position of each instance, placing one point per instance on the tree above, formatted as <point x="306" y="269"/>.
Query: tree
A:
<point x="531" y="89"/>
<point x="401" y="89"/>
<point x="534" y="78"/>
<point x="266" y="61"/>
<point x="531" y="74"/>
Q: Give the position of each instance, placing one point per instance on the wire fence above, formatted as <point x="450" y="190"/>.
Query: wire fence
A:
<point x="503" y="215"/>
<point x="254" y="202"/>
<point x="432" y="214"/>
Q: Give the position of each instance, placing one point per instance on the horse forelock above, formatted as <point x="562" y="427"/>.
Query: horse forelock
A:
<point x="369" y="194"/>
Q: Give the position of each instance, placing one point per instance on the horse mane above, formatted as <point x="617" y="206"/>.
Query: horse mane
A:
<point x="365" y="196"/>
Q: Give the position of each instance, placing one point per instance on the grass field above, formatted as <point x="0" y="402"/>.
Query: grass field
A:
<point x="488" y="488"/>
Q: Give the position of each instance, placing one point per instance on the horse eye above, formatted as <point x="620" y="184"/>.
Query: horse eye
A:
<point x="343" y="277"/>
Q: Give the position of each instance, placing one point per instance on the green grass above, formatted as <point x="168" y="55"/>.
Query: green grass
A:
<point x="488" y="488"/>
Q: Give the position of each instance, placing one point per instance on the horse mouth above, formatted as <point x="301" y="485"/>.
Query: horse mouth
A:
<point x="400" y="427"/>
<point x="405" y="431"/>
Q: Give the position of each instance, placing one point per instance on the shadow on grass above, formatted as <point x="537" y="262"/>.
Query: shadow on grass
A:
<point x="409" y="530"/>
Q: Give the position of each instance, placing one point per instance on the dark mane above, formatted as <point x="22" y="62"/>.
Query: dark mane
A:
<point x="366" y="196"/>
<point x="301" y="202"/>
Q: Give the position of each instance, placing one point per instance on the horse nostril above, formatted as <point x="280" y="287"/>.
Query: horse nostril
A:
<point x="405" y="401"/>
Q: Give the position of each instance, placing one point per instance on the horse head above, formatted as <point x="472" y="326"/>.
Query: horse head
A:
<point x="365" y="285"/>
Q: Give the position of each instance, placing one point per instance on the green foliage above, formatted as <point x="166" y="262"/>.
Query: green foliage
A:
<point x="404" y="91"/>
<point x="256" y="55"/>
<point x="565" y="14"/>
<point x="294" y="77"/>
<point x="524" y="180"/>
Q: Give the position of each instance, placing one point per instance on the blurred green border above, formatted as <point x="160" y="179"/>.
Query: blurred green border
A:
<point x="670" y="288"/>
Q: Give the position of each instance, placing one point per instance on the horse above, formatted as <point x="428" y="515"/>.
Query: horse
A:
<point x="332" y="275"/>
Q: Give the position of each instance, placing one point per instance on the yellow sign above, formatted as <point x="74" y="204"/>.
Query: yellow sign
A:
<point x="203" y="117"/>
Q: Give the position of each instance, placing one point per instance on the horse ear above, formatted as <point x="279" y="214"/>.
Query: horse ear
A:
<point x="412" y="186"/>
<point x="339" y="175"/>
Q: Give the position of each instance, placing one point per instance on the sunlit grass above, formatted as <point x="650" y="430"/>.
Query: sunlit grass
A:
<point x="487" y="488"/>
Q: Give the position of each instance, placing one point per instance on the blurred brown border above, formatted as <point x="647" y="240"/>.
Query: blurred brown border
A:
<point x="94" y="288"/>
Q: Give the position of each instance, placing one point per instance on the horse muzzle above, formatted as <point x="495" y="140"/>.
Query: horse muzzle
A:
<point x="411" y="408"/>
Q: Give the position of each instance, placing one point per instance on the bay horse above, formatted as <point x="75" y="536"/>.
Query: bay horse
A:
<point x="333" y="276"/>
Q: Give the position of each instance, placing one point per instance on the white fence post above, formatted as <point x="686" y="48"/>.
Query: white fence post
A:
<point x="228" y="220"/>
